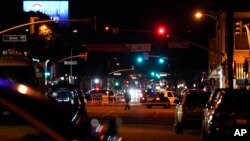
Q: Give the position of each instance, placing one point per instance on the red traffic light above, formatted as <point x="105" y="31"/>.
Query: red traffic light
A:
<point x="106" y="28"/>
<point x="161" y="30"/>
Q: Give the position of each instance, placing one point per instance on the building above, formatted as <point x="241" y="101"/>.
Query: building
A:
<point x="241" y="51"/>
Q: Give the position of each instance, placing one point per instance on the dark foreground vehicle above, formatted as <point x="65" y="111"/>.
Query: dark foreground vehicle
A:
<point x="227" y="116"/>
<point x="29" y="116"/>
<point x="189" y="110"/>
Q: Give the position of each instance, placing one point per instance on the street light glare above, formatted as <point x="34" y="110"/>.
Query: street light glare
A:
<point x="198" y="15"/>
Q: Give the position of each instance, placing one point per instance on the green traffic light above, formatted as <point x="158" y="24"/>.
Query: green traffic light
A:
<point x="116" y="83"/>
<point x="161" y="60"/>
<point x="152" y="73"/>
<point x="139" y="59"/>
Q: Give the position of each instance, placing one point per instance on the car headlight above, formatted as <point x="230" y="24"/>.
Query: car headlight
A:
<point x="54" y="94"/>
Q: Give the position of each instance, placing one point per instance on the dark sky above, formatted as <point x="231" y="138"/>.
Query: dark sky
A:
<point x="145" y="15"/>
<point x="177" y="15"/>
<point x="142" y="14"/>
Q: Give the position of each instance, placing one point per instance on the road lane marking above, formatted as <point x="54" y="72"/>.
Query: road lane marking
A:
<point x="155" y="115"/>
<point x="108" y="113"/>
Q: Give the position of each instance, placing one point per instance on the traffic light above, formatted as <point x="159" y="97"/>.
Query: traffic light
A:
<point x="117" y="85"/>
<point x="245" y="66"/>
<point x="106" y="28"/>
<point x="238" y="28"/>
<point x="161" y="31"/>
<point x="111" y="29"/>
<point x="140" y="59"/>
<point x="152" y="73"/>
<point x="161" y="60"/>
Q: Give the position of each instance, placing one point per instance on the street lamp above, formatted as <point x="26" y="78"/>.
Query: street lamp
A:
<point x="199" y="15"/>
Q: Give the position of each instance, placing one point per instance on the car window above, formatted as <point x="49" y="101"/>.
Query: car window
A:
<point x="196" y="98"/>
<point x="65" y="93"/>
<point x="234" y="102"/>
<point x="170" y="94"/>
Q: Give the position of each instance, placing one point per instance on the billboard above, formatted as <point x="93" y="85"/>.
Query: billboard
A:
<point x="56" y="10"/>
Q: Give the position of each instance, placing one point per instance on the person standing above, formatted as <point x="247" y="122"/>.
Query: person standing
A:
<point x="127" y="97"/>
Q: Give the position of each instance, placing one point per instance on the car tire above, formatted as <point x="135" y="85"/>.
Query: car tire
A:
<point x="166" y="106"/>
<point x="178" y="128"/>
<point x="203" y="132"/>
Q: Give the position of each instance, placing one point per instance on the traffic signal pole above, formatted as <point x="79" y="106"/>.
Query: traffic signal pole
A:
<point x="42" y="21"/>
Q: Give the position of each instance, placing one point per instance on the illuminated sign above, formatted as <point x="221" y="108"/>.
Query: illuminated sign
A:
<point x="56" y="10"/>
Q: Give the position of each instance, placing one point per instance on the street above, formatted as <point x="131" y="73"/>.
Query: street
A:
<point x="141" y="123"/>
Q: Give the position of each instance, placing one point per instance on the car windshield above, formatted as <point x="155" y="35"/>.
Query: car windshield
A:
<point x="64" y="93"/>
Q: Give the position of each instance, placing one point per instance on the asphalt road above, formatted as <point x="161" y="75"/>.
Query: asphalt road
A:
<point x="142" y="124"/>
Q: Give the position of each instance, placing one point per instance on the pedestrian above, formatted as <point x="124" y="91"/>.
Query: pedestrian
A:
<point x="127" y="97"/>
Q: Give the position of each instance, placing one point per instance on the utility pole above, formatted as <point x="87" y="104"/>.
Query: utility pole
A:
<point x="71" y="69"/>
<point x="230" y="41"/>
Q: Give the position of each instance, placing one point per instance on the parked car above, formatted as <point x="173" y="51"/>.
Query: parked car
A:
<point x="226" y="115"/>
<point x="68" y="95"/>
<point x="35" y="118"/>
<point x="189" y="110"/>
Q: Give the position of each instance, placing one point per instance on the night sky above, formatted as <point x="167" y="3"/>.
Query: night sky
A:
<point x="143" y="15"/>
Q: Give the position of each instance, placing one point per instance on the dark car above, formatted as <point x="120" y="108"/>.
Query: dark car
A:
<point x="66" y="93"/>
<point x="147" y="93"/>
<point x="32" y="117"/>
<point x="189" y="110"/>
<point x="227" y="115"/>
